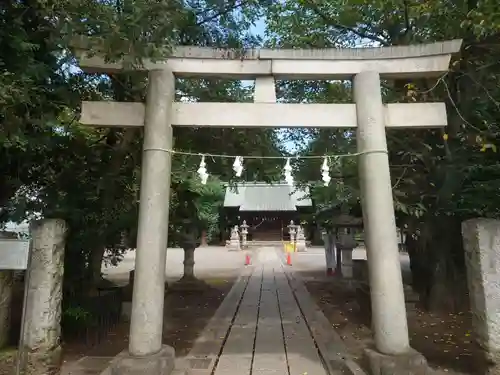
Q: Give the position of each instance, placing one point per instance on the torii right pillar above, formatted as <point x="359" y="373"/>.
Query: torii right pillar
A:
<point x="392" y="353"/>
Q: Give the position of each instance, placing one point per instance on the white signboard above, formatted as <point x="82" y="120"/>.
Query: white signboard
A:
<point x="14" y="254"/>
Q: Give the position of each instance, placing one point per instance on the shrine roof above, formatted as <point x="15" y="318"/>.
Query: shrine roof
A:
<point x="260" y="196"/>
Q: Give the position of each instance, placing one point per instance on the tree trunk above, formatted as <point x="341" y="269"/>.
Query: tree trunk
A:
<point x="448" y="290"/>
<point x="437" y="264"/>
<point x="440" y="294"/>
<point x="419" y="272"/>
<point x="95" y="266"/>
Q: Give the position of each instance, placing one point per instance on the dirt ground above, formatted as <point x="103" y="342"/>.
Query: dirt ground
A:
<point x="446" y="340"/>
<point x="7" y="361"/>
<point x="186" y="314"/>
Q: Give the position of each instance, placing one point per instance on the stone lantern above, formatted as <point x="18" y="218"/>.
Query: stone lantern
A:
<point x="189" y="241"/>
<point x="346" y="243"/>
<point x="244" y="234"/>
<point x="300" y="239"/>
<point x="234" y="243"/>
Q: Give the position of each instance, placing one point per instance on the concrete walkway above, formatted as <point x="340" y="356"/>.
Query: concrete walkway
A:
<point x="268" y="325"/>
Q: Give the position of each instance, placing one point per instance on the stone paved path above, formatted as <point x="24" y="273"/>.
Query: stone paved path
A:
<point x="268" y="325"/>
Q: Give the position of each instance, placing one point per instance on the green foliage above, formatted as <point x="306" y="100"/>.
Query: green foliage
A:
<point x="421" y="160"/>
<point x="77" y="313"/>
<point x="90" y="177"/>
<point x="197" y="203"/>
<point x="445" y="176"/>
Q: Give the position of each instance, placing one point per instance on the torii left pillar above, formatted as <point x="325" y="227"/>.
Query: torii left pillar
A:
<point x="146" y="354"/>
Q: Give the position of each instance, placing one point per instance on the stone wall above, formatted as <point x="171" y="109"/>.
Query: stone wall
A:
<point x="43" y="306"/>
<point x="482" y="258"/>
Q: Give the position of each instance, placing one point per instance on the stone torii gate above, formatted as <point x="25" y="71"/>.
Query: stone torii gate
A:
<point x="366" y="67"/>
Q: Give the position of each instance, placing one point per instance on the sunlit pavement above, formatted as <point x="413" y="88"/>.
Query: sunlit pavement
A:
<point x="210" y="262"/>
<point x="314" y="259"/>
<point x="218" y="261"/>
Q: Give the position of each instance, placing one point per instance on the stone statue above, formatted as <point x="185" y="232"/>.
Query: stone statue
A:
<point x="234" y="244"/>
<point x="235" y="233"/>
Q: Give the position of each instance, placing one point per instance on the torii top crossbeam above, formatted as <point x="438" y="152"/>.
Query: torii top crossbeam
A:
<point x="424" y="60"/>
<point x="266" y="65"/>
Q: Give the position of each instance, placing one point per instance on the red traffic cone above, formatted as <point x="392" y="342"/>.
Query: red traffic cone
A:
<point x="248" y="261"/>
<point x="289" y="259"/>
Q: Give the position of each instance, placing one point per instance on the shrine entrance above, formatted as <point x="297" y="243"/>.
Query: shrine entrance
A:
<point x="366" y="67"/>
<point x="266" y="226"/>
<point x="266" y="208"/>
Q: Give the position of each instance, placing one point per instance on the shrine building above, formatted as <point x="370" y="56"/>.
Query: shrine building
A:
<point x="266" y="208"/>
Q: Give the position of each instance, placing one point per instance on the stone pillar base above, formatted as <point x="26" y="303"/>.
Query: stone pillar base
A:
<point x="161" y="363"/>
<point x="411" y="363"/>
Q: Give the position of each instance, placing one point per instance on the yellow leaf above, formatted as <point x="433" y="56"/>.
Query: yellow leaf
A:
<point x="487" y="146"/>
<point x="445" y="136"/>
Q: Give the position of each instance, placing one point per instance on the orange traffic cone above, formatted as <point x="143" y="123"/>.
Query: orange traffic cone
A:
<point x="288" y="259"/>
<point x="248" y="261"/>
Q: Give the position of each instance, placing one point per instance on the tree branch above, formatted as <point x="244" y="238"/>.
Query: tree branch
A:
<point x="328" y="21"/>
<point x="407" y="17"/>
<point x="223" y="12"/>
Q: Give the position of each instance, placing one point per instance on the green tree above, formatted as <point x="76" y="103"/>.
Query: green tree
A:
<point x="90" y="177"/>
<point x="440" y="178"/>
